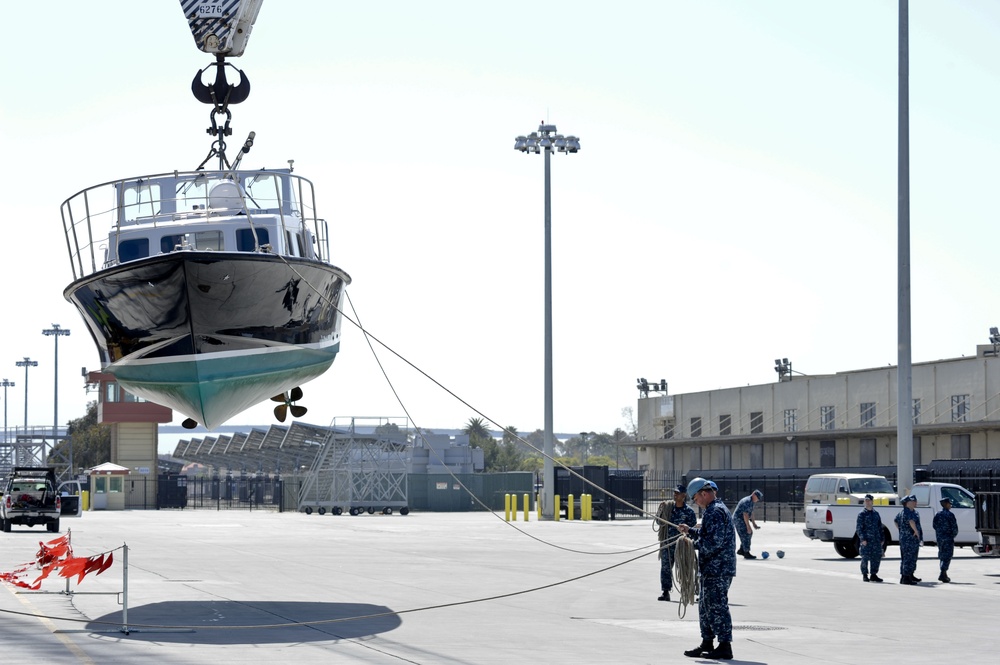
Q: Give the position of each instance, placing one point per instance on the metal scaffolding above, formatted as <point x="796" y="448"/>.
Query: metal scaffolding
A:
<point x="358" y="472"/>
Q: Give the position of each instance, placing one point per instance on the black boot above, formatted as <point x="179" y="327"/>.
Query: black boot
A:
<point x="864" y="577"/>
<point x="907" y="579"/>
<point x="876" y="578"/>
<point x="664" y="596"/>
<point x="915" y="579"/>
<point x="700" y="650"/>
<point x="722" y="652"/>
<point x="943" y="577"/>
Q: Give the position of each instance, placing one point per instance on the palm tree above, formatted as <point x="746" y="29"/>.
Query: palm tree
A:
<point x="476" y="427"/>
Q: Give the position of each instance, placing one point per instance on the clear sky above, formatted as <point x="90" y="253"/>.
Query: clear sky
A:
<point x="734" y="200"/>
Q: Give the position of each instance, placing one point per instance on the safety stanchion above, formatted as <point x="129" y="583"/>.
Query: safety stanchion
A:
<point x="585" y="507"/>
<point x="569" y="508"/>
<point x="555" y="509"/>
<point x="527" y="506"/>
<point x="506" y="507"/>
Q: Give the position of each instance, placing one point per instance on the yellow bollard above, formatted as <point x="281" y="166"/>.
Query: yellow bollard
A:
<point x="538" y="507"/>
<point x="569" y="507"/>
<point x="527" y="506"/>
<point x="513" y="507"/>
<point x="555" y="508"/>
<point x="85" y="500"/>
<point x="585" y="507"/>
<point x="506" y="507"/>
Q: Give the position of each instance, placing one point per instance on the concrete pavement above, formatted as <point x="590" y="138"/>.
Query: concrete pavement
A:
<point x="467" y="588"/>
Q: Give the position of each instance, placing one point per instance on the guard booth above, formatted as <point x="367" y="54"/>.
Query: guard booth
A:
<point x="107" y="486"/>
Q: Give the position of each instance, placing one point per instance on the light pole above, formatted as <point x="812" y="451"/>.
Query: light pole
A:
<point x="26" y="363"/>
<point x="56" y="332"/>
<point x="544" y="140"/>
<point x="584" y="448"/>
<point x="6" y="384"/>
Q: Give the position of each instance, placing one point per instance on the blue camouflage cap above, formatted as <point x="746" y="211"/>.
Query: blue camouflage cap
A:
<point x="698" y="484"/>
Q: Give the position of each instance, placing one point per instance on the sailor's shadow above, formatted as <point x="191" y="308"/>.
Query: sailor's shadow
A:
<point x="248" y="622"/>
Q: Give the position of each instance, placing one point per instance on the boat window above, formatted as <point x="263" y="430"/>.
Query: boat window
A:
<point x="245" y="238"/>
<point x="141" y="199"/>
<point x="204" y="240"/>
<point x="171" y="243"/>
<point x="209" y="240"/>
<point x="193" y="194"/>
<point x="130" y="250"/>
<point x="264" y="189"/>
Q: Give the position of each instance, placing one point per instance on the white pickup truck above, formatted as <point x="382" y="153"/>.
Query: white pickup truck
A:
<point x="837" y="523"/>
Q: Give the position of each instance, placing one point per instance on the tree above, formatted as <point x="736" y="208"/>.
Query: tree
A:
<point x="533" y="463"/>
<point x="480" y="437"/>
<point x="91" y="442"/>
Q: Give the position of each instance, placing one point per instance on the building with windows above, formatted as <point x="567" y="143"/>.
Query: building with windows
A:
<point x="839" y="420"/>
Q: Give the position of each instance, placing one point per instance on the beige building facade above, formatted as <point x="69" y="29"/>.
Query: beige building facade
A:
<point x="835" y="421"/>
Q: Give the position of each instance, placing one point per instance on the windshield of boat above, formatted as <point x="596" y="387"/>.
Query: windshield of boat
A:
<point x="263" y="191"/>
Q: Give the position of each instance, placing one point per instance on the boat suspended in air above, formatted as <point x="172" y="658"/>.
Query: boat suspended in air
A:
<point x="212" y="290"/>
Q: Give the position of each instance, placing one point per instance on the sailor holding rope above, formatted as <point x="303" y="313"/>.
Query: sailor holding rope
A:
<point x="715" y="540"/>
<point x="668" y="517"/>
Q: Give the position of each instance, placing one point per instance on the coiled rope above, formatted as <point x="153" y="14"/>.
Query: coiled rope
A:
<point x="685" y="561"/>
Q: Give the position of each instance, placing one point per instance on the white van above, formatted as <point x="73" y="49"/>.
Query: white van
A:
<point x="850" y="488"/>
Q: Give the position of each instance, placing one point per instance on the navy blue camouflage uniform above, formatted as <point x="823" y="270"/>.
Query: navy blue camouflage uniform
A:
<point x="945" y="530"/>
<point x="909" y="543"/>
<point x="745" y="505"/>
<point x="675" y="515"/>
<point x="715" y="541"/>
<point x="869" y="528"/>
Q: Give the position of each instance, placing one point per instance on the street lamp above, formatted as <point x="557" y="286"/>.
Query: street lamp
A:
<point x="6" y="384"/>
<point x="56" y="332"/>
<point x="583" y="447"/>
<point x="26" y="363"/>
<point x="544" y="140"/>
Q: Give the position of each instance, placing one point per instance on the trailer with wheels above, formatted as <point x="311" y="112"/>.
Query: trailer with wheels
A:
<point x="357" y="473"/>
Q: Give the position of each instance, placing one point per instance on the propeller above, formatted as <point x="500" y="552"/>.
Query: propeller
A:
<point x="287" y="402"/>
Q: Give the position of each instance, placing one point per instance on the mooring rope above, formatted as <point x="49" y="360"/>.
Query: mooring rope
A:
<point x="685" y="573"/>
<point x="685" y="562"/>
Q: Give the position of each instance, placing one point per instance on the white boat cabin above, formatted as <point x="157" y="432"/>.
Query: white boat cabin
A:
<point x="241" y="211"/>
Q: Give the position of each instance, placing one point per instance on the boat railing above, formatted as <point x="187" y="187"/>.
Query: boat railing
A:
<point x="95" y="218"/>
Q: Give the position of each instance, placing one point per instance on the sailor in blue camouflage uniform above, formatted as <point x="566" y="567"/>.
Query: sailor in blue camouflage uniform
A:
<point x="715" y="541"/>
<point x="911" y="536"/>
<point x="675" y="513"/>
<point x="743" y="518"/>
<point x="869" y="529"/>
<point x="945" y="530"/>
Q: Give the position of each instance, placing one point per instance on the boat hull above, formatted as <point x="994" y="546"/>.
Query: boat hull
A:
<point x="210" y="334"/>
